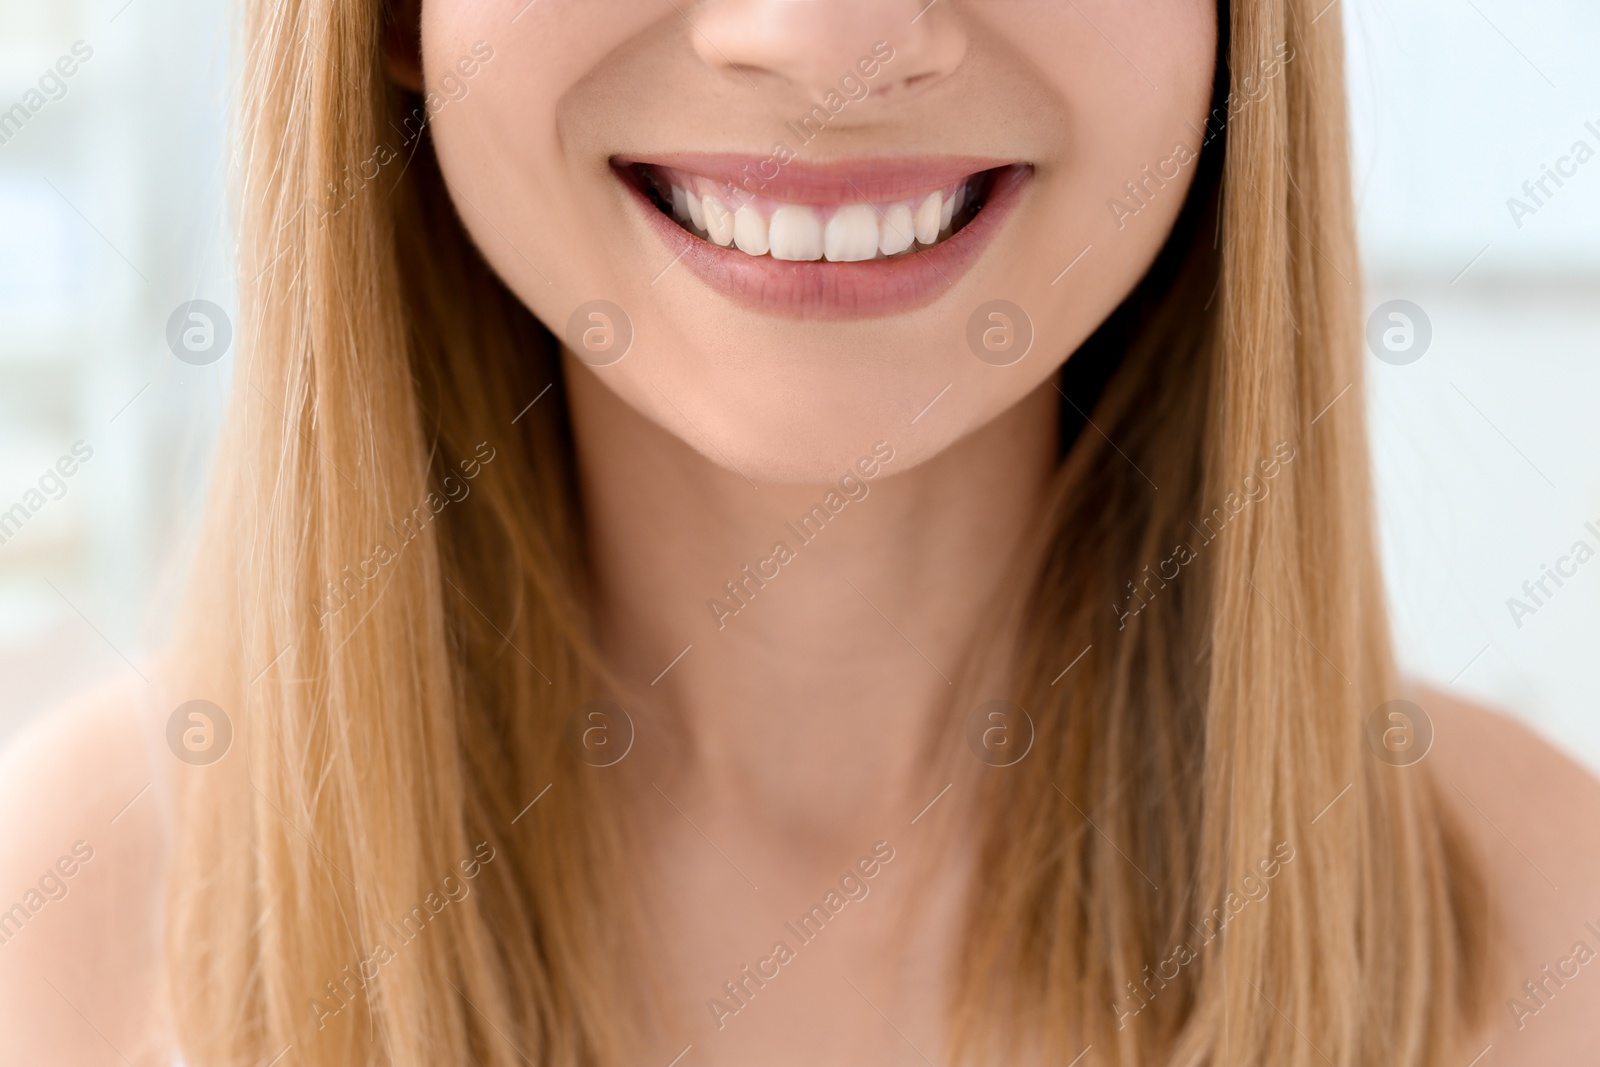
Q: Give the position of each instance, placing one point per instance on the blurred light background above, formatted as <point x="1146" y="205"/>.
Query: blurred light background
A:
<point x="1486" y="447"/>
<point x="113" y="212"/>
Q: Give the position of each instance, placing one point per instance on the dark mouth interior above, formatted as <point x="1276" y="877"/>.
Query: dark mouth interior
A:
<point x="644" y="178"/>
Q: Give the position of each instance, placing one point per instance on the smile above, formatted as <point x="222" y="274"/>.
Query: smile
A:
<point x="842" y="233"/>
<point x="829" y="241"/>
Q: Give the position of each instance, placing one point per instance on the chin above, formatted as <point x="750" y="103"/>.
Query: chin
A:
<point x="809" y="435"/>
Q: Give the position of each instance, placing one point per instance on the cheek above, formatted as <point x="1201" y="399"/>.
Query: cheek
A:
<point x="1134" y="100"/>
<point x="523" y="176"/>
<point x="1132" y="104"/>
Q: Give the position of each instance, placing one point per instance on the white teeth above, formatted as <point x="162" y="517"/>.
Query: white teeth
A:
<point x="750" y="231"/>
<point x="852" y="234"/>
<point x="719" y="224"/>
<point x="928" y="218"/>
<point x="898" y="230"/>
<point x="848" y="233"/>
<point x="795" y="233"/>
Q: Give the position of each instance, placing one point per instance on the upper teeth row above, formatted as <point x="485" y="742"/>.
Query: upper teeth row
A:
<point x="847" y="234"/>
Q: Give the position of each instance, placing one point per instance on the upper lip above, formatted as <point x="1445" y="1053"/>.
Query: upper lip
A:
<point x="845" y="181"/>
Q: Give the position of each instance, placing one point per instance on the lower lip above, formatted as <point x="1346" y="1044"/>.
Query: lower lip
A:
<point x="822" y="290"/>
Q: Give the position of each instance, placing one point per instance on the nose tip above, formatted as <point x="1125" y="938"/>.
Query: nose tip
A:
<point x="815" y="43"/>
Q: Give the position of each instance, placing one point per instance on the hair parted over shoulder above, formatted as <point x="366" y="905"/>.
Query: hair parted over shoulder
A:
<point x="1181" y="774"/>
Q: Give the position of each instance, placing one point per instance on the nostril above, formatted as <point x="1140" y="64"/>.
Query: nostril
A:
<point x="748" y="71"/>
<point x="916" y="81"/>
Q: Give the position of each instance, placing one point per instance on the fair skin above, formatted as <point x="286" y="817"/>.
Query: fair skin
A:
<point x="77" y="986"/>
<point x="725" y="421"/>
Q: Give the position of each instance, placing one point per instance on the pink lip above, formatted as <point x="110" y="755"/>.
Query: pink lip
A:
<point x="823" y="290"/>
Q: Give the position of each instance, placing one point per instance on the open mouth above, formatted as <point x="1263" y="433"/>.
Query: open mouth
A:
<point x="850" y="232"/>
<point x="837" y="240"/>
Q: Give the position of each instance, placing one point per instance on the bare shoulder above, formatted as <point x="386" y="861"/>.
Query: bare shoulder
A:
<point x="1534" y="815"/>
<point x="82" y="857"/>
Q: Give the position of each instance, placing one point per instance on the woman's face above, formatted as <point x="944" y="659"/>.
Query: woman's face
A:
<point x="811" y="225"/>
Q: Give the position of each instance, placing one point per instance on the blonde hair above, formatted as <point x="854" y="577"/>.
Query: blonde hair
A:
<point x="397" y="708"/>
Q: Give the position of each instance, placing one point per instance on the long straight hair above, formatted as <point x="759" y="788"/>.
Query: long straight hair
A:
<point x="1201" y="862"/>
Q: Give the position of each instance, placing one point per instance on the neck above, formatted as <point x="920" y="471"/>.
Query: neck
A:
<point x="799" y="644"/>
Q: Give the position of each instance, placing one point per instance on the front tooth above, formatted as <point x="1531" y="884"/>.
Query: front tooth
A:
<point x="750" y="231"/>
<point x="680" y="203"/>
<point x="697" y="213"/>
<point x="927" y="220"/>
<point x="719" y="224"/>
<point x="795" y="233"/>
<point x="947" y="212"/>
<point x="852" y="234"/>
<point x="898" y="230"/>
<point x="960" y="199"/>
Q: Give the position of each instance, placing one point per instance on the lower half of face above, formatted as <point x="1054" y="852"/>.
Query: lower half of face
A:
<point x="785" y="231"/>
